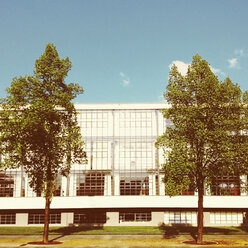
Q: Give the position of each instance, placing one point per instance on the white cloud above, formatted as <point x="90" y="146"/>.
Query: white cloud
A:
<point x="217" y="71"/>
<point x="239" y="52"/>
<point x="214" y="70"/>
<point x="125" y="80"/>
<point x="233" y="63"/>
<point x="122" y="74"/>
<point x="181" y="66"/>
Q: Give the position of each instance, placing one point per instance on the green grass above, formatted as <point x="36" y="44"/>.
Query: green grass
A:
<point x="21" y="230"/>
<point x="166" y="230"/>
<point x="78" y="230"/>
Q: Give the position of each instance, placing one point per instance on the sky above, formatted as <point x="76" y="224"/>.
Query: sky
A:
<point x="122" y="50"/>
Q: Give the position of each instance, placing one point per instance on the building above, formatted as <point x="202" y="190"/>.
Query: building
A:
<point x="122" y="183"/>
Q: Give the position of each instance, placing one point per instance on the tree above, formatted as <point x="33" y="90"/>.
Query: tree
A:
<point x="39" y="130"/>
<point x="207" y="138"/>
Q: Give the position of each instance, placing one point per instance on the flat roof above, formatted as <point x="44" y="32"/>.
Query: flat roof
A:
<point x="119" y="106"/>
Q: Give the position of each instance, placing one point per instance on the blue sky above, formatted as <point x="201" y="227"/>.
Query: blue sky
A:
<point x="121" y="50"/>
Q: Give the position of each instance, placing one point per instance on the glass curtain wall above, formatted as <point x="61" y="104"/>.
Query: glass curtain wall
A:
<point x="121" y="153"/>
<point x="134" y="161"/>
<point x="94" y="179"/>
<point x="122" y="158"/>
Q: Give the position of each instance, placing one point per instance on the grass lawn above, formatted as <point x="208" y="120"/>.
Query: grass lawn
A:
<point x="166" y="230"/>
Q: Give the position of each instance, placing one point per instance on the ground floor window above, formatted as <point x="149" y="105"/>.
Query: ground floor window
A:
<point x="233" y="218"/>
<point x="189" y="218"/>
<point x="7" y="219"/>
<point x="129" y="216"/>
<point x="89" y="217"/>
<point x="39" y="218"/>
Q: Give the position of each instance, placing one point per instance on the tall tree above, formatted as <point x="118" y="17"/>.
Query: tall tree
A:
<point x="206" y="139"/>
<point x="39" y="130"/>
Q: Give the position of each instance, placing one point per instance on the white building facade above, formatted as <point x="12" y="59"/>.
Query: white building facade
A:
<point x="122" y="183"/>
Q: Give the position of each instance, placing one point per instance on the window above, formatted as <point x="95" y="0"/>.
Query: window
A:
<point x="135" y="216"/>
<point x="226" y="185"/>
<point x="231" y="218"/>
<point x="189" y="218"/>
<point x="6" y="184"/>
<point x="140" y="122"/>
<point x="90" y="184"/>
<point x="134" y="161"/>
<point x="134" y="186"/>
<point x="93" y="122"/>
<point x="89" y="218"/>
<point x="189" y="191"/>
<point x="39" y="218"/>
<point x="97" y="153"/>
<point x="7" y="219"/>
<point x="57" y="191"/>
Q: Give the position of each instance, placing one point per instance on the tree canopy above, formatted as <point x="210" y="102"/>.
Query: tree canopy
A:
<point x="207" y="138"/>
<point x="39" y="130"/>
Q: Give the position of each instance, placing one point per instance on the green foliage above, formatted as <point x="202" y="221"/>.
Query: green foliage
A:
<point x="207" y="139"/>
<point x="39" y="130"/>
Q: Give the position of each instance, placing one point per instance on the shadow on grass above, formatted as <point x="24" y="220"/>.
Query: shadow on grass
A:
<point x="75" y="229"/>
<point x="221" y="230"/>
<point x="68" y="230"/>
<point x="173" y="230"/>
<point x="244" y="226"/>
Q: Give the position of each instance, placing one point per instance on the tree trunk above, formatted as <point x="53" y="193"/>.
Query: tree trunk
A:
<point x="46" y="223"/>
<point x="200" y="212"/>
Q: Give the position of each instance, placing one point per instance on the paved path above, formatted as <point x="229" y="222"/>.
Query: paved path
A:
<point x="123" y="241"/>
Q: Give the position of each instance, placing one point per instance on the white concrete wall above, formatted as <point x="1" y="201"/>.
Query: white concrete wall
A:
<point x="21" y="219"/>
<point x="67" y="219"/>
<point x="85" y="202"/>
